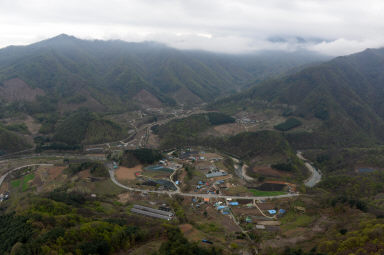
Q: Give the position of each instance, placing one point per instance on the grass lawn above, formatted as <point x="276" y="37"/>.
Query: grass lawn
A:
<point x="105" y="187"/>
<point x="147" y="248"/>
<point x="260" y="193"/>
<point x="15" y="183"/>
<point x="294" y="220"/>
<point x="23" y="182"/>
<point x="26" y="179"/>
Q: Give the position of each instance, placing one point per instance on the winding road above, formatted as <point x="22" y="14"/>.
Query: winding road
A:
<point x="315" y="177"/>
<point x="2" y="178"/>
<point x="165" y="192"/>
<point x="178" y="192"/>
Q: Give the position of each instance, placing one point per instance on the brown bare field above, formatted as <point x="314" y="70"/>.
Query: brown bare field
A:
<point x="49" y="173"/>
<point x="268" y="171"/>
<point x="222" y="220"/>
<point x="153" y="141"/>
<point x="246" y="211"/>
<point x="55" y="171"/>
<point x="125" y="173"/>
<point x="229" y="129"/>
<point x="266" y="206"/>
<point x="210" y="155"/>
<point x="4" y="187"/>
<point x="37" y="181"/>
<point x="192" y="233"/>
<point x="219" y="178"/>
<point x="185" y="228"/>
<point x="85" y="174"/>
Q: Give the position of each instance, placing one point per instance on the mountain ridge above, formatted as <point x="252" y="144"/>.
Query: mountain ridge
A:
<point x="345" y="93"/>
<point x="64" y="64"/>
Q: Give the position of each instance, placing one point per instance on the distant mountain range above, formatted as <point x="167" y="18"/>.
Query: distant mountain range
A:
<point x="346" y="94"/>
<point x="64" y="74"/>
<point x="117" y="75"/>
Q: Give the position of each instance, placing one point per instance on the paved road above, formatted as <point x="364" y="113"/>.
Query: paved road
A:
<point x="315" y="177"/>
<point x="170" y="193"/>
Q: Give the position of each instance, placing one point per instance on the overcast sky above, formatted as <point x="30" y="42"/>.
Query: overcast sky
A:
<point x="333" y="27"/>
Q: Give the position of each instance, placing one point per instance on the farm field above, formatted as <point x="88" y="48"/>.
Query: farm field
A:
<point x="125" y="173"/>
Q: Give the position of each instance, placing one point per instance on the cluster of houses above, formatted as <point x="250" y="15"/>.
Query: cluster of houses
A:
<point x="224" y="209"/>
<point x="260" y="222"/>
<point x="4" y="196"/>
<point x="170" y="164"/>
<point x="247" y="121"/>
<point x="205" y="164"/>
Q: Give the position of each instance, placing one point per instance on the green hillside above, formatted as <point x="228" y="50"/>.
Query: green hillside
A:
<point x="187" y="131"/>
<point x="11" y="142"/>
<point x="113" y="72"/>
<point x="190" y="132"/>
<point x="345" y="94"/>
<point x="84" y="127"/>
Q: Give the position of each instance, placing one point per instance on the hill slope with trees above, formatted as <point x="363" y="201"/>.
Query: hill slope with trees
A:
<point x="345" y="94"/>
<point x="113" y="72"/>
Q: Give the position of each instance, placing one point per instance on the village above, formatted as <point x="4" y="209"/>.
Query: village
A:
<point x="197" y="172"/>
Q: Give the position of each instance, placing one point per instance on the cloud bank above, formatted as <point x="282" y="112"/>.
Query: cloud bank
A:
<point x="234" y="26"/>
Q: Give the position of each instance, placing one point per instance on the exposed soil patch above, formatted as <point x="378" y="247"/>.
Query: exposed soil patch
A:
<point x="299" y="234"/>
<point x="37" y="181"/>
<point x="84" y="174"/>
<point x="4" y="187"/>
<point x="191" y="233"/>
<point x="223" y="220"/>
<point x="210" y="155"/>
<point x="17" y="90"/>
<point x="229" y="129"/>
<point x="153" y="141"/>
<point x="185" y="96"/>
<point x="186" y="228"/>
<point x="32" y="125"/>
<point x="147" y="99"/>
<point x="125" y="197"/>
<point x="125" y="173"/>
<point x="246" y="211"/>
<point x="55" y="172"/>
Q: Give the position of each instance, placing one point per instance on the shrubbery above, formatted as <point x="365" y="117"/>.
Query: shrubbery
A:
<point x="289" y="124"/>
<point x="13" y="229"/>
<point x="86" y="127"/>
<point x="131" y="158"/>
<point x="96" y="169"/>
<point x="287" y="167"/>
<point x="178" y="244"/>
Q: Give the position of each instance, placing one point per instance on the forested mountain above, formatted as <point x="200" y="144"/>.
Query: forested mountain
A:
<point x="346" y="93"/>
<point x="117" y="75"/>
<point x="85" y="127"/>
<point x="10" y="141"/>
